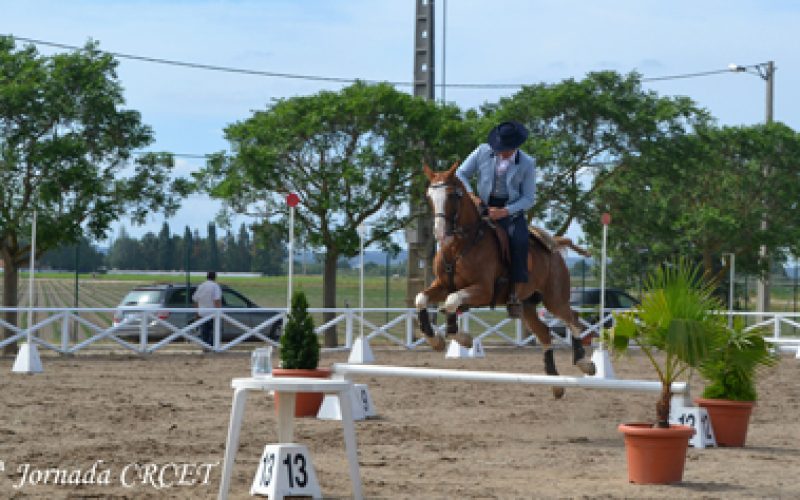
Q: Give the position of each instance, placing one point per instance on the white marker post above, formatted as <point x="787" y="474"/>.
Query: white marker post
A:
<point x="361" y="352"/>
<point x="28" y="356"/>
<point x="600" y="357"/>
<point x="292" y="200"/>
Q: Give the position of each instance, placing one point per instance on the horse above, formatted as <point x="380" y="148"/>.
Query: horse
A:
<point x="470" y="271"/>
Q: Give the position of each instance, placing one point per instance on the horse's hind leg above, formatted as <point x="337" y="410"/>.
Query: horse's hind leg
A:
<point x="570" y="318"/>
<point x="542" y="333"/>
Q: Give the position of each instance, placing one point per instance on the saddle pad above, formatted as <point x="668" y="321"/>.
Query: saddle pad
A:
<point x="543" y="237"/>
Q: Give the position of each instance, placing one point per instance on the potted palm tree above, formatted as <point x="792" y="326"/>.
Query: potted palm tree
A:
<point x="676" y="328"/>
<point x="299" y="355"/>
<point x="730" y="394"/>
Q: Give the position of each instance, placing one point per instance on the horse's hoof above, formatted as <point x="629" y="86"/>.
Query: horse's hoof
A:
<point x="558" y="392"/>
<point x="463" y="339"/>
<point x="436" y="342"/>
<point x="587" y="366"/>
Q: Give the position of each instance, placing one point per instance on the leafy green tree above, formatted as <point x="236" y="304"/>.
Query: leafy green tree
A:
<point x="583" y="133"/>
<point x="63" y="257"/>
<point x="66" y="152"/>
<point x="352" y="156"/>
<point x="704" y="194"/>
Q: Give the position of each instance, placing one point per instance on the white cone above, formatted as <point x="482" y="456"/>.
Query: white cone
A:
<point x="602" y="363"/>
<point x="361" y="353"/>
<point x="457" y="351"/>
<point x="27" y="359"/>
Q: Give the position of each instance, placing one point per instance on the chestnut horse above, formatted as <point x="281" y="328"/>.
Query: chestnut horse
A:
<point x="470" y="272"/>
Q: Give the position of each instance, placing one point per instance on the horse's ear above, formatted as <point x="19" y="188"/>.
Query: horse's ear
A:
<point x="452" y="169"/>
<point x="428" y="171"/>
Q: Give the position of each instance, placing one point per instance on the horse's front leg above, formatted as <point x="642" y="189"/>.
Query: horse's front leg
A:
<point x="474" y="295"/>
<point x="434" y="293"/>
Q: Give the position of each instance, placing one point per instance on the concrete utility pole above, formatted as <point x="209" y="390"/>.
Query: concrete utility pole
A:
<point x="762" y="290"/>
<point x="419" y="236"/>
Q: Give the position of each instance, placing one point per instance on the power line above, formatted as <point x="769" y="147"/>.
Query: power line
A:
<point x="329" y="79"/>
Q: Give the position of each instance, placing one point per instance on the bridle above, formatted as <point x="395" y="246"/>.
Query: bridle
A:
<point x="451" y="226"/>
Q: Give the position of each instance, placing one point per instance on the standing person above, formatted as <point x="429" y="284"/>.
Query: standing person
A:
<point x="207" y="297"/>
<point x="507" y="184"/>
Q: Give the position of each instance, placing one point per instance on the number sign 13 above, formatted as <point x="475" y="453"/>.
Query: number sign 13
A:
<point x="285" y="469"/>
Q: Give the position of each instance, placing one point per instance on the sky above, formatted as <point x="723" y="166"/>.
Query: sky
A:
<point x="502" y="41"/>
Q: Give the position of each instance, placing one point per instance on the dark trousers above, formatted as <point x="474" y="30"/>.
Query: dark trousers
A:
<point x="207" y="332"/>
<point x="517" y="230"/>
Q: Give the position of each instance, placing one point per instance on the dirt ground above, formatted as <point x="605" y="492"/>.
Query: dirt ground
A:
<point x="433" y="439"/>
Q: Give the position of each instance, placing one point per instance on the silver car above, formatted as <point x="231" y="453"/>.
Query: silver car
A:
<point x="160" y="297"/>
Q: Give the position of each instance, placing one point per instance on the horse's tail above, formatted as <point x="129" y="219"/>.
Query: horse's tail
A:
<point x="564" y="242"/>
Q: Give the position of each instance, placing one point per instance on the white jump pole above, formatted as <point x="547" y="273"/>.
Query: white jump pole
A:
<point x="361" y="352"/>
<point x="292" y="200"/>
<point x="600" y="356"/>
<point x="344" y="370"/>
<point x="28" y="360"/>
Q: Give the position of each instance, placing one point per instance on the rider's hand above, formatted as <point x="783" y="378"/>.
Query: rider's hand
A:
<point x="497" y="213"/>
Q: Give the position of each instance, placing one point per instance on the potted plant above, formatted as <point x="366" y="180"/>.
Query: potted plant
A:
<point x="730" y="371"/>
<point x="299" y="355"/>
<point x="676" y="328"/>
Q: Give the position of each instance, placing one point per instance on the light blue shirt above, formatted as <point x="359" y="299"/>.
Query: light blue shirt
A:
<point x="520" y="177"/>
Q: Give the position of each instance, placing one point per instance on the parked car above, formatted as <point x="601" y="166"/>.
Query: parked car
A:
<point x="589" y="298"/>
<point x="158" y="297"/>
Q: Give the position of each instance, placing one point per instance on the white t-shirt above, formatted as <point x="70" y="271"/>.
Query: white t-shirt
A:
<point x="205" y="295"/>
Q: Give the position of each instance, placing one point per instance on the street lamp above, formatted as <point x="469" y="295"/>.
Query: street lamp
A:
<point x="765" y="71"/>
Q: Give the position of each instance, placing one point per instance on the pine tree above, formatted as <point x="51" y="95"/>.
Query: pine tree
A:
<point x="299" y="343"/>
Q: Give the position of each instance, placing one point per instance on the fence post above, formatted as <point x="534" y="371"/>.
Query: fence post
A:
<point x="465" y="321"/>
<point x="217" y="324"/>
<point x="518" y="326"/>
<point x="776" y="327"/>
<point x="65" y="332"/>
<point x="145" y="319"/>
<point x="409" y="328"/>
<point x="348" y="328"/>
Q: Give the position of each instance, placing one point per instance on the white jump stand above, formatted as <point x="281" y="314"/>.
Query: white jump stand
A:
<point x="287" y="388"/>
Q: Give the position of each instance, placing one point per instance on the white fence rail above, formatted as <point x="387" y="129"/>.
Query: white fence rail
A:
<point x="151" y="331"/>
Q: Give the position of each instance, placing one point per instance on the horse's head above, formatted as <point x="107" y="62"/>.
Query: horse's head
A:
<point x="446" y="194"/>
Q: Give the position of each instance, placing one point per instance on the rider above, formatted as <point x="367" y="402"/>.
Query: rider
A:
<point x="507" y="184"/>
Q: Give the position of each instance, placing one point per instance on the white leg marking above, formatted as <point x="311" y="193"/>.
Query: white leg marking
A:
<point x="421" y="301"/>
<point x="454" y="300"/>
<point x="438" y="197"/>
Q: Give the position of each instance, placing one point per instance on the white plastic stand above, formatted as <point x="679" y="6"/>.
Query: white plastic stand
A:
<point x="602" y="363"/>
<point x="28" y="360"/>
<point x="697" y="418"/>
<point x="457" y="351"/>
<point x="361" y="404"/>
<point x="361" y="353"/>
<point x="285" y="470"/>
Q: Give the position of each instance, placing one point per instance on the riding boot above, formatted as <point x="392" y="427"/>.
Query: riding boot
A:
<point x="513" y="305"/>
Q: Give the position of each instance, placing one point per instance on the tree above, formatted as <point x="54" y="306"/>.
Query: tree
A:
<point x="582" y="133"/>
<point x="212" y="248"/>
<point x="166" y="249"/>
<point x="244" y="250"/>
<point x="705" y="193"/>
<point x="63" y="257"/>
<point x="352" y="156"/>
<point x="66" y="149"/>
<point x="269" y="249"/>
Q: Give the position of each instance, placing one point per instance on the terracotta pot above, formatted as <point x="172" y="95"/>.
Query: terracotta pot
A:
<point x="306" y="403"/>
<point x="729" y="419"/>
<point x="655" y="456"/>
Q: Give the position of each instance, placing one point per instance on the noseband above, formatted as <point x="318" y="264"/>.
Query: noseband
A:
<point x="451" y="226"/>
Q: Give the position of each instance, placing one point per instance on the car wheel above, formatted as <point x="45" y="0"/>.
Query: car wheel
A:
<point x="275" y="332"/>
